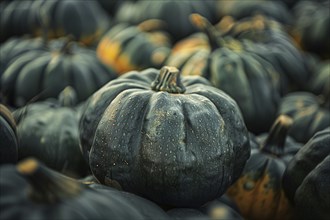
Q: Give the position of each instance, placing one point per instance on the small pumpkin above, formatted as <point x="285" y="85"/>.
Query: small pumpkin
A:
<point x="174" y="13"/>
<point x="48" y="131"/>
<point x="306" y="178"/>
<point x="125" y="47"/>
<point x="258" y="192"/>
<point x="85" y="20"/>
<point x="31" y="190"/>
<point x="311" y="27"/>
<point x="8" y="136"/>
<point x="179" y="137"/>
<point x="45" y="73"/>
<point x="310" y="114"/>
<point x="242" y="9"/>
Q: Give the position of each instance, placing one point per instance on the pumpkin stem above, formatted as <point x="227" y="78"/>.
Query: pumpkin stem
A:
<point x="47" y="186"/>
<point x="151" y="25"/>
<point x="274" y="144"/>
<point x="67" y="46"/>
<point x="68" y="97"/>
<point x="204" y="25"/>
<point x="168" y="80"/>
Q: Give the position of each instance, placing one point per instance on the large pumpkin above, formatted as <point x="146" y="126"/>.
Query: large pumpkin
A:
<point x="306" y="179"/>
<point x="125" y="47"/>
<point x="48" y="131"/>
<point x="309" y="112"/>
<point x="8" y="137"/>
<point x="45" y="73"/>
<point x="258" y="192"/>
<point x="31" y="190"/>
<point x="177" y="141"/>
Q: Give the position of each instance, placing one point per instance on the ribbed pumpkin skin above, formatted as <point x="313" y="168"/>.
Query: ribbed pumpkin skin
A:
<point x="68" y="198"/>
<point x="175" y="149"/>
<point x="85" y="20"/>
<point x="305" y="161"/>
<point x="8" y="137"/>
<point x="258" y="193"/>
<point x="307" y="112"/>
<point x="127" y="48"/>
<point x="45" y="73"/>
<point x="49" y="132"/>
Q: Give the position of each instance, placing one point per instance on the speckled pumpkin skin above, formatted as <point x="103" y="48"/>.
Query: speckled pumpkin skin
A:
<point x="176" y="149"/>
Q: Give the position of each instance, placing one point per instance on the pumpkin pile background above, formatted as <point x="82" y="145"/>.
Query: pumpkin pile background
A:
<point x="172" y="109"/>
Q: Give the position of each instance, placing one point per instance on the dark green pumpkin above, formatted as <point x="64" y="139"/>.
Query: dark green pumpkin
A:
<point x="306" y="179"/>
<point x="177" y="141"/>
<point x="85" y="20"/>
<point x="311" y="27"/>
<point x="45" y="73"/>
<point x="31" y="190"/>
<point x="48" y="131"/>
<point x="174" y="13"/>
<point x="247" y="77"/>
<point x="125" y="47"/>
<point x="242" y="9"/>
<point x="258" y="193"/>
<point x="187" y="214"/>
<point x="320" y="80"/>
<point x="309" y="112"/>
<point x="8" y="137"/>
<point x="274" y="44"/>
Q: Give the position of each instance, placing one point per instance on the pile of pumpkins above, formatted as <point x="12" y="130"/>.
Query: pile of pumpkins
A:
<point x="164" y="109"/>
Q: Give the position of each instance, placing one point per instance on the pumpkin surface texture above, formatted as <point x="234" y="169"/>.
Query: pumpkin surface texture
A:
<point x="183" y="142"/>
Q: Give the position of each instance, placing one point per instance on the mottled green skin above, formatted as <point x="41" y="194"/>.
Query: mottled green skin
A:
<point x="45" y="73"/>
<point x="303" y="165"/>
<point x="175" y="149"/>
<point x="308" y="115"/>
<point x="8" y="137"/>
<point x="49" y="132"/>
<point x="88" y="203"/>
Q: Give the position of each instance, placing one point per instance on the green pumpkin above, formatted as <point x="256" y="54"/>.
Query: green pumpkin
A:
<point x="48" y="131"/>
<point x="306" y="178"/>
<point x="258" y="192"/>
<point x="85" y="20"/>
<point x="45" y="73"/>
<point x="31" y="190"/>
<point x="309" y="112"/>
<point x="8" y="137"/>
<point x="166" y="138"/>
<point x="125" y="47"/>
<point x="273" y="43"/>
<point x="242" y="9"/>
<point x="319" y="82"/>
<point x="311" y="27"/>
<point x="174" y="13"/>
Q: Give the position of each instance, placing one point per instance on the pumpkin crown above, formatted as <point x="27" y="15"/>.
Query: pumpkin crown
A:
<point x="274" y="144"/>
<point x="68" y="97"/>
<point x="168" y="80"/>
<point x="47" y="186"/>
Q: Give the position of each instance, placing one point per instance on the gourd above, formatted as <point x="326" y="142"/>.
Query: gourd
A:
<point x="31" y="190"/>
<point x="164" y="137"/>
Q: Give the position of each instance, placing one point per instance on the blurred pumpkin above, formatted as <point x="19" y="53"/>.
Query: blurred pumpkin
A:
<point x="31" y="190"/>
<point x="174" y="13"/>
<point x="177" y="141"/>
<point x="125" y="47"/>
<point x="46" y="72"/>
<point x="48" y="131"/>
<point x="311" y="27"/>
<point x="306" y="178"/>
<point x="248" y="78"/>
<point x="319" y="83"/>
<point x="258" y="192"/>
<point x="8" y="136"/>
<point x="310" y="114"/>
<point x="85" y="20"/>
